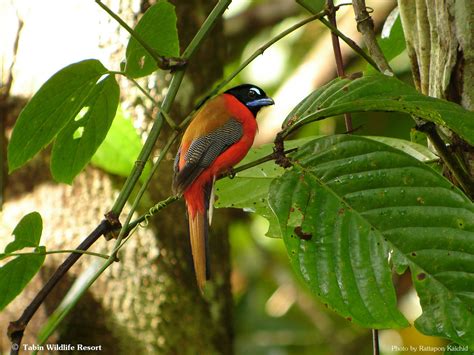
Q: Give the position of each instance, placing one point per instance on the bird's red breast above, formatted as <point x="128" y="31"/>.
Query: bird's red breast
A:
<point x="211" y="117"/>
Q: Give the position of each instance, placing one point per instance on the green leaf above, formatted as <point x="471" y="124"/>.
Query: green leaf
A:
<point x="118" y="152"/>
<point x="16" y="274"/>
<point x="249" y="189"/>
<point x="158" y="29"/>
<point x="78" y="141"/>
<point x="350" y="203"/>
<point x="392" y="41"/>
<point x="377" y="92"/>
<point x="27" y="233"/>
<point x="55" y="104"/>
<point x="314" y="6"/>
<point x="417" y="151"/>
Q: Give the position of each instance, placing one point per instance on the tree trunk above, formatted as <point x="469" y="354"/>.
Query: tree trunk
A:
<point x="148" y="302"/>
<point x="440" y="44"/>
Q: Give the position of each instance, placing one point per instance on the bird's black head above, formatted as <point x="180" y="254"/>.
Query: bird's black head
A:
<point x="251" y="96"/>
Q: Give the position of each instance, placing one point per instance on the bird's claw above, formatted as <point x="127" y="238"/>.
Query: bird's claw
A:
<point x="231" y="173"/>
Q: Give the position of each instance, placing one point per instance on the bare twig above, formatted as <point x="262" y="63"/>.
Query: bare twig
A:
<point x="375" y="341"/>
<point x="338" y="55"/>
<point x="365" y="25"/>
<point x="263" y="48"/>
<point x="4" y="108"/>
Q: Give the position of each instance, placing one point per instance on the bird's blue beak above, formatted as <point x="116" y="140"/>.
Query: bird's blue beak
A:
<point x="266" y="101"/>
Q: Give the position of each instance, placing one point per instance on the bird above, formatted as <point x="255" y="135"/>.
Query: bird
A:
<point x="218" y="137"/>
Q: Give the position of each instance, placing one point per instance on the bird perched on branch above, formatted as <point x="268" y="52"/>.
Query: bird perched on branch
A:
<point x="219" y="136"/>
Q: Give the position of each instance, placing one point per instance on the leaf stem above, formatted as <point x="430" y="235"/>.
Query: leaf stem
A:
<point x="263" y="48"/>
<point x="64" y="251"/>
<point x="165" y="114"/>
<point x="167" y="117"/>
<point x="342" y="36"/>
<point x="338" y="55"/>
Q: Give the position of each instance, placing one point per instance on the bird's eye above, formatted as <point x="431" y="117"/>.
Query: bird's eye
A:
<point x="252" y="94"/>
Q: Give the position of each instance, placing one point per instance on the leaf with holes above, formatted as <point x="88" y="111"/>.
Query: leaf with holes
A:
<point x="55" y="104"/>
<point x="348" y="204"/>
<point x="158" y="29"/>
<point x="377" y="92"/>
<point x="77" y="142"/>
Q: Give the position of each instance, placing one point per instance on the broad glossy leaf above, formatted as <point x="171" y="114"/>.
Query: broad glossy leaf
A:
<point x="417" y="151"/>
<point x="55" y="104"/>
<point x="27" y="233"/>
<point x="377" y="92"/>
<point x="16" y="274"/>
<point x="118" y="152"/>
<point x="348" y="204"/>
<point x="158" y="29"/>
<point x="77" y="142"/>
<point x="249" y="189"/>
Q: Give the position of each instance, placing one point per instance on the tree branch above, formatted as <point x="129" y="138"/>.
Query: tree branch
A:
<point x="365" y="25"/>
<point x="17" y="328"/>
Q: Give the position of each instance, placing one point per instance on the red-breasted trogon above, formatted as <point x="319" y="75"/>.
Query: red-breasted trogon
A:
<point x="218" y="137"/>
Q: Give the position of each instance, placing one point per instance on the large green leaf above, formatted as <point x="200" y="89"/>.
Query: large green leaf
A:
<point x="55" y="104"/>
<point x="350" y="206"/>
<point x="249" y="189"/>
<point x="158" y="29"/>
<point x="377" y="92"/>
<point x="16" y="274"/>
<point x="77" y="142"/>
<point x="118" y="152"/>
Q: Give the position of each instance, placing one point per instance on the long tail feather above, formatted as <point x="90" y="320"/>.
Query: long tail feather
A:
<point x="198" y="235"/>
